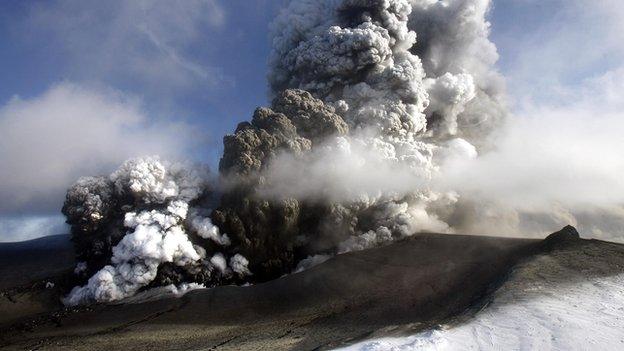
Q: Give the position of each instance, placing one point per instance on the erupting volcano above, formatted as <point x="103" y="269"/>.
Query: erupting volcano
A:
<point x="337" y="212"/>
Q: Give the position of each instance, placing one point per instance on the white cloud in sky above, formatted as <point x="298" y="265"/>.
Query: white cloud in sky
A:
<point x="147" y="42"/>
<point x="552" y="165"/>
<point x="138" y="51"/>
<point x="48" y="141"/>
<point x="20" y="228"/>
<point x="572" y="41"/>
<point x="566" y="138"/>
<point x="559" y="158"/>
<point x="568" y="153"/>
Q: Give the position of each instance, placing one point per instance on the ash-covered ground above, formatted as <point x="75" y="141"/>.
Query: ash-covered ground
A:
<point x="431" y="291"/>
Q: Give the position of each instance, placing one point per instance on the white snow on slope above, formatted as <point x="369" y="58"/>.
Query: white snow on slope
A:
<point x="561" y="301"/>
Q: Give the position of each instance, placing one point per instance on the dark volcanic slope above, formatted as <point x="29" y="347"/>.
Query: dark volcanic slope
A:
<point x="420" y="280"/>
<point x="403" y="287"/>
<point x="28" y="261"/>
<point x="30" y="273"/>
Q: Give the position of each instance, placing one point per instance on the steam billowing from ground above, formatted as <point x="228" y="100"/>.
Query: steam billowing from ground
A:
<point x="140" y="226"/>
<point x="373" y="101"/>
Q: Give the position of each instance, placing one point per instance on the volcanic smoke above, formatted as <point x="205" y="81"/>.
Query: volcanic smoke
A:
<point x="369" y="99"/>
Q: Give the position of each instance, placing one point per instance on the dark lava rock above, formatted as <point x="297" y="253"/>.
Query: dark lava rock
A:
<point x="565" y="236"/>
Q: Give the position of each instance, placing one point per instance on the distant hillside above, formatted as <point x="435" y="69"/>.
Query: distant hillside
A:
<point x="27" y="261"/>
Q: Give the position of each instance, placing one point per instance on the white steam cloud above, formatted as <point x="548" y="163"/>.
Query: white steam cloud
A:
<point x="157" y="195"/>
<point x="48" y="141"/>
<point x="553" y="164"/>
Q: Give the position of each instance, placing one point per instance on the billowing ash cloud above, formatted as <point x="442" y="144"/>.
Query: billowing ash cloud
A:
<point x="139" y="227"/>
<point x="414" y="82"/>
<point x="454" y="47"/>
<point x="401" y="67"/>
<point x="369" y="99"/>
<point x="268" y="230"/>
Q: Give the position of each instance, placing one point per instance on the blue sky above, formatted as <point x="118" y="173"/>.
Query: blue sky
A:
<point x="178" y="77"/>
<point x="216" y="80"/>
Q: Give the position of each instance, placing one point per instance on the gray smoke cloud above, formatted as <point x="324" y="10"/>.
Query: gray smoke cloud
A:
<point x="387" y="119"/>
<point x="415" y="82"/>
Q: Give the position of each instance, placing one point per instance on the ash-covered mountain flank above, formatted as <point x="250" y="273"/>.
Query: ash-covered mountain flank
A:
<point x="389" y="297"/>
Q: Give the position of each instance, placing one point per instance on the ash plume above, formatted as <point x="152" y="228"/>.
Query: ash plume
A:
<point x="423" y="67"/>
<point x="412" y="80"/>
<point x="269" y="230"/>
<point x="369" y="99"/>
<point x="139" y="227"/>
